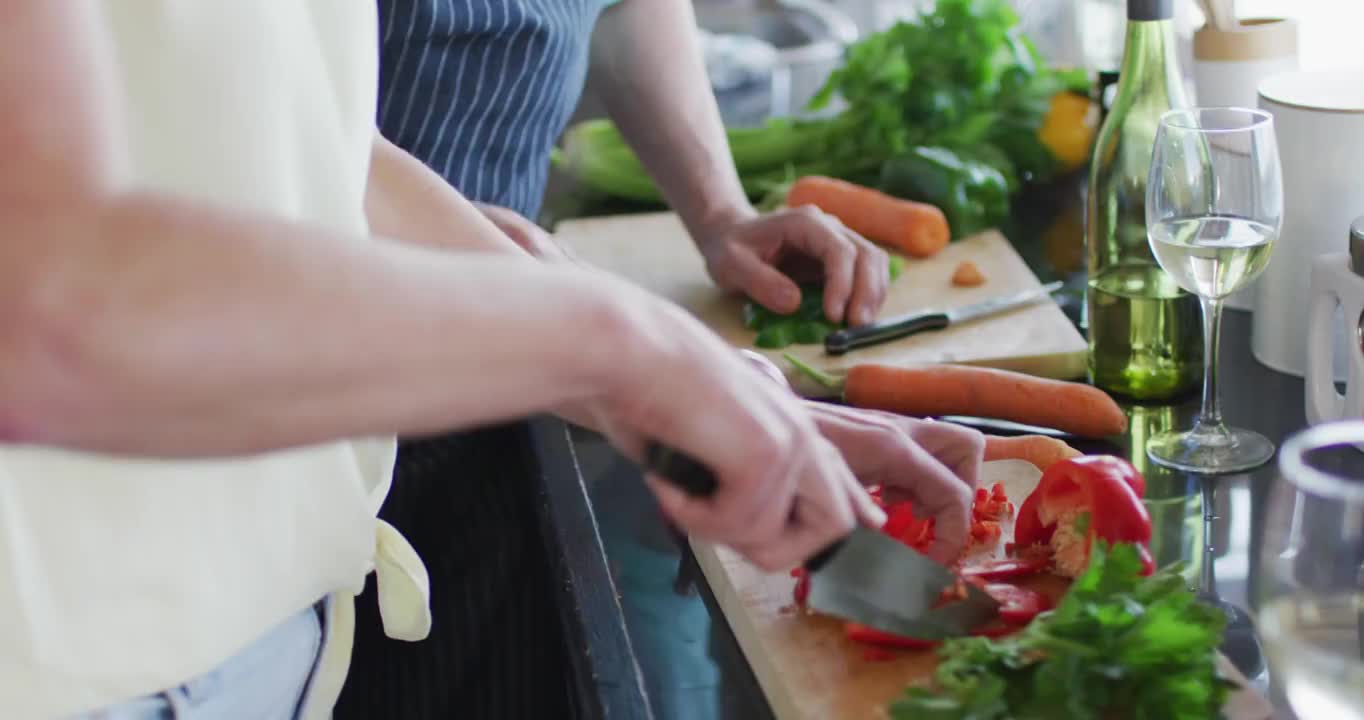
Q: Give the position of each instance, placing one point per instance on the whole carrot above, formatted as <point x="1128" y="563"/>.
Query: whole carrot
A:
<point x="985" y="392"/>
<point x="1040" y="450"/>
<point x="914" y="228"/>
<point x="929" y="390"/>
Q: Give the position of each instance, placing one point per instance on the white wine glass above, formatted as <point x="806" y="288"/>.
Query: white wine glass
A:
<point x="1312" y="573"/>
<point x="1214" y="206"/>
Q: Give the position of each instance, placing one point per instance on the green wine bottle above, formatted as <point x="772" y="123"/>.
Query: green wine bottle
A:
<point x="1145" y="333"/>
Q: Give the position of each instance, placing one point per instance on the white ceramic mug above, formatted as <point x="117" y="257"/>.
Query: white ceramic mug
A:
<point x="1335" y="284"/>
<point x="1319" y="122"/>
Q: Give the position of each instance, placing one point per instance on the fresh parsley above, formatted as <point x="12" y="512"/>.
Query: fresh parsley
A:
<point x="1118" y="647"/>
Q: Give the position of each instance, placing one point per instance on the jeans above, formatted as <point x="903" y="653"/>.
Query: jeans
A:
<point x="266" y="681"/>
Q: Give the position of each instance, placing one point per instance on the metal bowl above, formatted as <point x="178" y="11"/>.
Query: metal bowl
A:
<point x="806" y="41"/>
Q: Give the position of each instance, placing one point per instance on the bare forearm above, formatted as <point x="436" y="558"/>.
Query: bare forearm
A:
<point x="179" y="330"/>
<point x="406" y="200"/>
<point x="648" y="62"/>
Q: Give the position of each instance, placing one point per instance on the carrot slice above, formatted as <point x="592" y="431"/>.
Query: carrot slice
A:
<point x="967" y="275"/>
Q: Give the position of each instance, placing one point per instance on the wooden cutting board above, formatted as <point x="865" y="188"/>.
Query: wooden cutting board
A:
<point x="806" y="667"/>
<point x="654" y="251"/>
<point x="808" y="670"/>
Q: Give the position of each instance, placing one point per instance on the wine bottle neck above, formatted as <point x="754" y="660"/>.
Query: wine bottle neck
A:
<point x="1150" y="61"/>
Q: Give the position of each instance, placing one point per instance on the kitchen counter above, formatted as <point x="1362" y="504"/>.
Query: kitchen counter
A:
<point x="691" y="664"/>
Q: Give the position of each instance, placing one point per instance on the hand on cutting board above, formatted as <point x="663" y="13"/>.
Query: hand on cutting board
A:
<point x="765" y="256"/>
<point x="784" y="492"/>
<point x="936" y="465"/>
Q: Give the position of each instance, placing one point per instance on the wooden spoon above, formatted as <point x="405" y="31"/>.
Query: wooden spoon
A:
<point x="1221" y="13"/>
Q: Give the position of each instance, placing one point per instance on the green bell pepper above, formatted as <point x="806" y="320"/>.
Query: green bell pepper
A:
<point x="971" y="191"/>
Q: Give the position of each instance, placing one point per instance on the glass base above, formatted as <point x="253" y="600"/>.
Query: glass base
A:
<point x="1210" y="451"/>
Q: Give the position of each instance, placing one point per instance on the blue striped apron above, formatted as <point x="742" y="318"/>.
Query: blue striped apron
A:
<point x="479" y="90"/>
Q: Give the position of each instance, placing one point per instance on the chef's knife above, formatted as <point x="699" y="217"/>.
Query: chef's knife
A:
<point x="842" y="341"/>
<point x="867" y="577"/>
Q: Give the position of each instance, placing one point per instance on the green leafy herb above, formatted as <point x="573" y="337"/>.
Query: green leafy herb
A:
<point x="961" y="78"/>
<point x="807" y="325"/>
<point x="1117" y="647"/>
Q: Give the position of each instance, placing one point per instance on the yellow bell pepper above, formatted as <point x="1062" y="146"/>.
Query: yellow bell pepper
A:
<point x="1069" y="128"/>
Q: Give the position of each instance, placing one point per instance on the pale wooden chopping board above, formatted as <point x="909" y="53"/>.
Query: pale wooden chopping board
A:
<point x="806" y="667"/>
<point x="654" y="251"/>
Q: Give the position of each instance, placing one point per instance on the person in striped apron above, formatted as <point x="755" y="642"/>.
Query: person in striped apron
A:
<point x="480" y="90"/>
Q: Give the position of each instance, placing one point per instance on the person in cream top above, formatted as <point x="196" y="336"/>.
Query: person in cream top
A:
<point x="223" y="295"/>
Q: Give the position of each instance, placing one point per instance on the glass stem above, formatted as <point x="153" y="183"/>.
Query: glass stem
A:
<point x="1207" y="581"/>
<point x="1210" y="417"/>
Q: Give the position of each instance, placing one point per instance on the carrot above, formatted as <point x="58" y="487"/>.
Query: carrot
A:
<point x="1039" y="450"/>
<point x="917" y="229"/>
<point x="933" y="390"/>
<point x="967" y="275"/>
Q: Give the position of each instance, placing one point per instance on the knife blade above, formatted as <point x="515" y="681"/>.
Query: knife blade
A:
<point x="873" y="579"/>
<point x="866" y="577"/>
<point x="847" y="339"/>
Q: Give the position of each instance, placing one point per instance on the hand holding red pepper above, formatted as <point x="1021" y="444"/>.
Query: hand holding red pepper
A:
<point x="933" y="465"/>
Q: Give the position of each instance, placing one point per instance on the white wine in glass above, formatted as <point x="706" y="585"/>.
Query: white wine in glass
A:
<point x="1312" y="570"/>
<point x="1214" y="206"/>
<point x="1213" y="256"/>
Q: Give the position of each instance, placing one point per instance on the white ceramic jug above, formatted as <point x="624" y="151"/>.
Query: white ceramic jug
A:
<point x="1337" y="281"/>
<point x="1319" y="122"/>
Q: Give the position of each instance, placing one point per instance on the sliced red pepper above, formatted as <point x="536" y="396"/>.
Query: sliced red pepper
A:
<point x="1007" y="568"/>
<point x="863" y="634"/>
<point x="802" y="591"/>
<point x="1017" y="605"/>
<point x="1105" y="488"/>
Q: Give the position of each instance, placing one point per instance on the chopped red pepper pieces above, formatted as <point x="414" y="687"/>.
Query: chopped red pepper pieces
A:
<point x="1105" y="489"/>
<point x="986" y="531"/>
<point x="992" y="504"/>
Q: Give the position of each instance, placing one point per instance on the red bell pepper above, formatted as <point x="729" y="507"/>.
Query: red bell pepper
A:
<point x="1017" y="606"/>
<point x="1007" y="568"/>
<point x="1105" y="489"/>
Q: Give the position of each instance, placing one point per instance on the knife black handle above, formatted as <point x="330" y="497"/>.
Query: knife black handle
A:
<point x="686" y="473"/>
<point x="694" y="478"/>
<point x="841" y="341"/>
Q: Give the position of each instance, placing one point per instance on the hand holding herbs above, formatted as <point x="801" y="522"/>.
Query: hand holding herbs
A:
<point x="807" y="325"/>
<point x="956" y="109"/>
<point x="1118" y="646"/>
